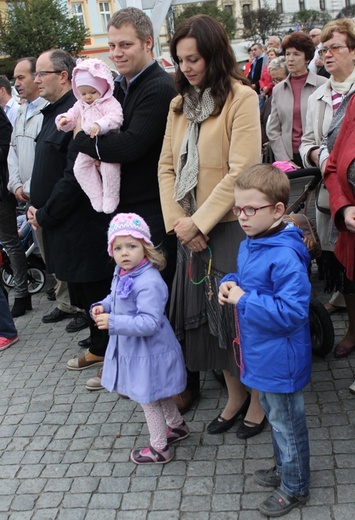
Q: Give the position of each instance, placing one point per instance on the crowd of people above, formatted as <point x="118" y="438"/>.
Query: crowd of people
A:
<point x="162" y="173"/>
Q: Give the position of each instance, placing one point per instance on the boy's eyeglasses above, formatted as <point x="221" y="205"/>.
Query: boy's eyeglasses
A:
<point x="334" y="49"/>
<point x="249" y="211"/>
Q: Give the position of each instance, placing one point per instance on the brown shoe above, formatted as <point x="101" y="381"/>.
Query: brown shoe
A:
<point x="81" y="363"/>
<point x="185" y="399"/>
<point x="95" y="382"/>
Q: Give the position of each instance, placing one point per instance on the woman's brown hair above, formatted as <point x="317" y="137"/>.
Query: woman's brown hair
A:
<point x="300" y="41"/>
<point x="213" y="45"/>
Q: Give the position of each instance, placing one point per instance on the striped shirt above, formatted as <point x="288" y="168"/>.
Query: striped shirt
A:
<point x="336" y="100"/>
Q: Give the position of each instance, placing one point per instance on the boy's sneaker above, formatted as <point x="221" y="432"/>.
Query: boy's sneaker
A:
<point x="281" y="503"/>
<point x="151" y="456"/>
<point x="268" y="477"/>
<point x="7" y="342"/>
<point x="177" y="434"/>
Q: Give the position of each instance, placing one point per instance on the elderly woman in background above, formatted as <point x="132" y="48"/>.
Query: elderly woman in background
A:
<point x="325" y="113"/>
<point x="278" y="72"/>
<point x="265" y="82"/>
<point x="289" y="99"/>
<point x="212" y="134"/>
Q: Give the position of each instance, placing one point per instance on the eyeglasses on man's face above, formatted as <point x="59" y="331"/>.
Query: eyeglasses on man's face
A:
<point x="42" y="73"/>
<point x="248" y="211"/>
<point x="333" y="49"/>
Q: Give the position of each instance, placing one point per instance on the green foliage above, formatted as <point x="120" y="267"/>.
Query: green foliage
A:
<point x="210" y="8"/>
<point x="347" y="12"/>
<point x="261" y="23"/>
<point x="309" y="18"/>
<point x="34" y="26"/>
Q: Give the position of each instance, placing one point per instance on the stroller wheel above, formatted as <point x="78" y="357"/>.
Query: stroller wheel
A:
<point x="36" y="280"/>
<point x="322" y="330"/>
<point x="7" y="278"/>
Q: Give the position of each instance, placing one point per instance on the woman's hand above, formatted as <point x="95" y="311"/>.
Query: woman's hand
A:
<point x="314" y="156"/>
<point x="185" y="229"/>
<point x="198" y="243"/>
<point x="295" y="165"/>
<point x="349" y="218"/>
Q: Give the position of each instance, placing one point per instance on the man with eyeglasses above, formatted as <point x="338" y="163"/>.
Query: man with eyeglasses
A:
<point x="74" y="234"/>
<point x="317" y="65"/>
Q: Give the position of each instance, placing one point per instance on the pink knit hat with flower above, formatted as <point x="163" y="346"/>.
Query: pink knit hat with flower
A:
<point x="124" y="224"/>
<point x="84" y="78"/>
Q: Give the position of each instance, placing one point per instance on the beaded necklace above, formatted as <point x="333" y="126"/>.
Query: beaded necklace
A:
<point x="206" y="277"/>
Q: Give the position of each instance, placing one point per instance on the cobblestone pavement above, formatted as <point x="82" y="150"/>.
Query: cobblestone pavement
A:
<point x="64" y="451"/>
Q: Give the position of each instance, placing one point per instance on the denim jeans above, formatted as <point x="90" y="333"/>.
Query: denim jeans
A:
<point x="287" y="417"/>
<point x="7" y="326"/>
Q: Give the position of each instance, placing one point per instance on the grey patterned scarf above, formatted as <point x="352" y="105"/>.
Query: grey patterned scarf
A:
<point x="195" y="110"/>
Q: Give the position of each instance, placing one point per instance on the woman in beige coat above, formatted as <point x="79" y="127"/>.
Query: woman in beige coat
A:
<point x="213" y="133"/>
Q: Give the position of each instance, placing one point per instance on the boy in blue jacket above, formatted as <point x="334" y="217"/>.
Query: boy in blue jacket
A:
<point x="271" y="292"/>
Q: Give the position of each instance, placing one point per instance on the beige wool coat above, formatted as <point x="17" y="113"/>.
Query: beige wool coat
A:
<point x="228" y="144"/>
<point x="280" y="123"/>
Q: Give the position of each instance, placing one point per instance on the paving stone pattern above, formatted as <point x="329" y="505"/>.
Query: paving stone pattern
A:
<point x="64" y="451"/>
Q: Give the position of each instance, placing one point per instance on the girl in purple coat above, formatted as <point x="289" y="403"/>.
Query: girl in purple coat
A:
<point x="143" y="359"/>
<point x="99" y="113"/>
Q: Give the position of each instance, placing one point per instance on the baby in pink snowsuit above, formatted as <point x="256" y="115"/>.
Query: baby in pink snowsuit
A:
<point x="100" y="113"/>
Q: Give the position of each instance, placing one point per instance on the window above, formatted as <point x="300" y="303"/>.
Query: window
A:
<point x="279" y="7"/>
<point x="105" y="14"/>
<point x="78" y="12"/>
<point x="322" y="5"/>
<point x="246" y="8"/>
<point x="301" y="4"/>
<point x="228" y="9"/>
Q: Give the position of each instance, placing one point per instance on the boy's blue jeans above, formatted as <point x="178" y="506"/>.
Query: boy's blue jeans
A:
<point x="287" y="417"/>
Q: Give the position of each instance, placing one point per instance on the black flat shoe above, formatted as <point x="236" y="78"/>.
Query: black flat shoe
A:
<point x="281" y="503"/>
<point x="220" y="424"/>
<point x="85" y="343"/>
<point x="245" y="431"/>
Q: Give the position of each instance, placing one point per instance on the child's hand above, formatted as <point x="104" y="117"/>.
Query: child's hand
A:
<point x="94" y="130"/>
<point x="98" y="309"/>
<point x="63" y="121"/>
<point x="224" y="290"/>
<point x="229" y="292"/>
<point x="235" y="294"/>
<point x="102" y="321"/>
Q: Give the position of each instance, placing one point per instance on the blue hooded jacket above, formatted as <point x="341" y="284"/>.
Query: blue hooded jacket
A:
<point x="273" y="314"/>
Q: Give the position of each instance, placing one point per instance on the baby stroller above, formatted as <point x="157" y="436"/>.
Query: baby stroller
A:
<point x="36" y="269"/>
<point x="322" y="330"/>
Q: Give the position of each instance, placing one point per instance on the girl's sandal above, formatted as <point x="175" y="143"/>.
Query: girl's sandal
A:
<point x="151" y="456"/>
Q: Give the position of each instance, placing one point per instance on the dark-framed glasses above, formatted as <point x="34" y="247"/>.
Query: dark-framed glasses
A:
<point x="333" y="49"/>
<point x="249" y="211"/>
<point x="42" y="73"/>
